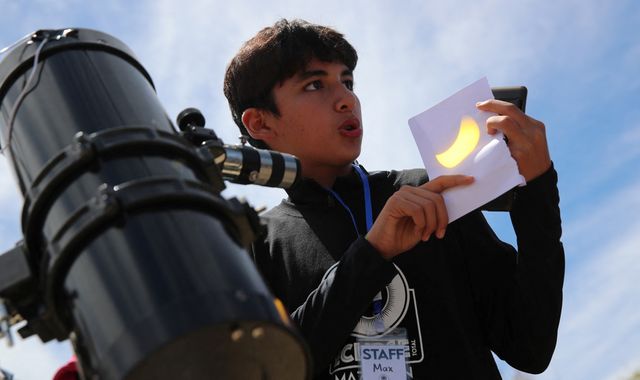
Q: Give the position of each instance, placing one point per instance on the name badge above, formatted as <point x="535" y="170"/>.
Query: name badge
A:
<point x="383" y="362"/>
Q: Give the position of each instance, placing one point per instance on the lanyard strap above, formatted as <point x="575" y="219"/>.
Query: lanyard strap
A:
<point x="344" y="205"/>
<point x="367" y="196"/>
<point x="376" y="305"/>
<point x="367" y="201"/>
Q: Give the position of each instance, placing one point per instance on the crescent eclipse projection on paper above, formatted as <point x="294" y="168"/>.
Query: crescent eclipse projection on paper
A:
<point x="464" y="144"/>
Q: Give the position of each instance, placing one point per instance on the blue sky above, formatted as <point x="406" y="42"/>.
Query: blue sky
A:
<point x="579" y="59"/>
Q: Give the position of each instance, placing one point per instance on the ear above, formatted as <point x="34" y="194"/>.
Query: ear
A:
<point x="255" y="121"/>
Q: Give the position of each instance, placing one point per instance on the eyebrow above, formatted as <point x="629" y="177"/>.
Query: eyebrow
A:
<point x="319" y="73"/>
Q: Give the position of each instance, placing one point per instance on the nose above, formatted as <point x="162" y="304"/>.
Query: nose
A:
<point x="346" y="100"/>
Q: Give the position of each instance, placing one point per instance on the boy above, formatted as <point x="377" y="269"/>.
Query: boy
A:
<point x="355" y="255"/>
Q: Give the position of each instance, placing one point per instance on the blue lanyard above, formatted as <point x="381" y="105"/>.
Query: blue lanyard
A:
<point x="367" y="201"/>
<point x="367" y="197"/>
<point x="377" y="300"/>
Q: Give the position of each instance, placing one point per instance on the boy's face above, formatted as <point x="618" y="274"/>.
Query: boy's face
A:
<point x="320" y="120"/>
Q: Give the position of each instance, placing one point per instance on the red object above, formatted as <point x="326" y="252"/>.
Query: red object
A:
<point x="67" y="372"/>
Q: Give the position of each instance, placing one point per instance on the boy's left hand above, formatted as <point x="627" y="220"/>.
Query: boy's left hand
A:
<point x="526" y="137"/>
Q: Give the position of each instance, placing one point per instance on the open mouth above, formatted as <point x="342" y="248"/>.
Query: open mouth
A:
<point x="350" y="124"/>
<point x="351" y="128"/>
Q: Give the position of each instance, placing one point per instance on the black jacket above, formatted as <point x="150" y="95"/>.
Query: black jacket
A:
<point x="459" y="298"/>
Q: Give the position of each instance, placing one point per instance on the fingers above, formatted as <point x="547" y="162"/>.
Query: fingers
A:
<point x="413" y="207"/>
<point x="431" y="205"/>
<point x="431" y="191"/>
<point x="412" y="214"/>
<point x="428" y="200"/>
<point x="526" y="136"/>
<point x="503" y="108"/>
<point x="515" y="124"/>
<point x="442" y="183"/>
<point x="435" y="187"/>
<point x="509" y="120"/>
<point x="505" y="124"/>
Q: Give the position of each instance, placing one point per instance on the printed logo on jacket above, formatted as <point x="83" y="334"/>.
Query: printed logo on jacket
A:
<point x="399" y="311"/>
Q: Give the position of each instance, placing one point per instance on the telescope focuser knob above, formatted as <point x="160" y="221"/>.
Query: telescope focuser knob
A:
<point x="191" y="123"/>
<point x="190" y="117"/>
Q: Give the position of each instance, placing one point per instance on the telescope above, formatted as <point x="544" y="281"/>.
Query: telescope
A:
<point x="128" y="249"/>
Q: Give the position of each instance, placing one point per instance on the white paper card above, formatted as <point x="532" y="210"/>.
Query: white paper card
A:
<point x="383" y="362"/>
<point x="452" y="139"/>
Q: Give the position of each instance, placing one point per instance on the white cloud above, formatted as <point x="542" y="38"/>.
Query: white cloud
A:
<point x="621" y="151"/>
<point x="600" y="329"/>
<point x="602" y="220"/>
<point x="601" y="318"/>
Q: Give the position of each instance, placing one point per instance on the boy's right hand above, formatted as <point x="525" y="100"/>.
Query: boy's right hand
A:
<point x="412" y="214"/>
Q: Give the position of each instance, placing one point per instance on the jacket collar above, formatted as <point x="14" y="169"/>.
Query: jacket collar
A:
<point x="308" y="191"/>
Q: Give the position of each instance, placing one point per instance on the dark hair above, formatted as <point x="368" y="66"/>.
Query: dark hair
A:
<point x="274" y="55"/>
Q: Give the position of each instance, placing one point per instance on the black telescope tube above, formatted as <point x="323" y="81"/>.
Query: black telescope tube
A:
<point x="137" y="258"/>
